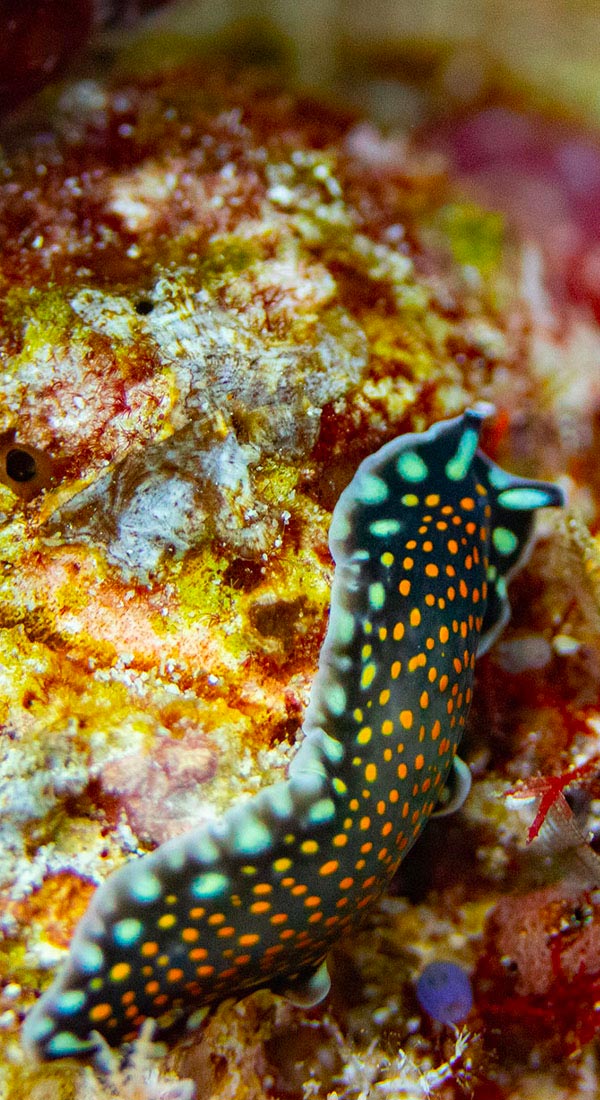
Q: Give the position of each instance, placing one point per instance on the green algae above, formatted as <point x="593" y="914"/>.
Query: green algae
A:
<point x="476" y="236"/>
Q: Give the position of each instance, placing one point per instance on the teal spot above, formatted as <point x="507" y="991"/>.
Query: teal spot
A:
<point x="90" y="957"/>
<point x="145" y="886"/>
<point x="252" y="838"/>
<point x="360" y="555"/>
<point x="383" y="528"/>
<point x="175" y="858"/>
<point x="411" y="467"/>
<point x="204" y="849"/>
<point x="333" y="749"/>
<point x="371" y="489"/>
<point x="65" y="1043"/>
<point x="209" y="885"/>
<point x="197" y="1017"/>
<point x="70" y="1002"/>
<point x="459" y="465"/>
<point x="376" y="595"/>
<point x="524" y="499"/>
<point x="501" y="588"/>
<point x="279" y="800"/>
<point x="38" y="1028"/>
<point x="344" y="626"/>
<point x="504" y="540"/>
<point x="498" y="478"/>
<point x="340" y="526"/>
<point x="336" y="699"/>
<point x="127" y="931"/>
<point x="322" y="811"/>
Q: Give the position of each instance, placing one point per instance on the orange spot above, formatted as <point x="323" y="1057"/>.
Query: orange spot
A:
<point x="387" y="828"/>
<point x="311" y="901"/>
<point x="167" y="921"/>
<point x="152" y="987"/>
<point x="120" y="971"/>
<point x="431" y="569"/>
<point x="408" y="563"/>
<point x="396" y="670"/>
<point x="248" y="939"/>
<point x="346" y="883"/>
<point x="241" y="960"/>
<point x="196" y="913"/>
<point x="262" y="888"/>
<point x="198" y="953"/>
<point x="278" y="918"/>
<point x="175" y="974"/>
<point x="406" y="719"/>
<point x="404" y="589"/>
<point x="467" y="504"/>
<point x="402" y="769"/>
<point x="260" y="907"/>
<point x="149" y="948"/>
<point x="100" y="1012"/>
<point x="329" y="867"/>
<point x="128" y="998"/>
<point x="415" y="616"/>
<point x="216" y="918"/>
<point x="364" y="823"/>
<point x="371" y="773"/>
<point x="205" y="971"/>
<point x="286" y="934"/>
<point x="387" y="727"/>
<point x="340" y="840"/>
<point x="132" y="1011"/>
<point x="419" y="761"/>
<point x="366" y="847"/>
<point x="297" y="890"/>
<point x="162" y="999"/>
<point x="190" y="935"/>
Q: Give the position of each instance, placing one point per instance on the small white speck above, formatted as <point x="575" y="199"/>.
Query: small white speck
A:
<point x="7" y="1019"/>
<point x="79" y="402"/>
<point x="134" y="252"/>
<point x="12" y="990"/>
<point x="212" y="679"/>
<point x="38" y="241"/>
<point x="565" y="645"/>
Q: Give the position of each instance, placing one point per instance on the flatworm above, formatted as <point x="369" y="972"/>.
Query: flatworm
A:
<point x="424" y="539"/>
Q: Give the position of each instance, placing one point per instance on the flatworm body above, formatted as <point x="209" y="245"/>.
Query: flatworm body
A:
<point x="423" y="538"/>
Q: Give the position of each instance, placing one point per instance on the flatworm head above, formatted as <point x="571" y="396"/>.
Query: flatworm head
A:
<point x="423" y="538"/>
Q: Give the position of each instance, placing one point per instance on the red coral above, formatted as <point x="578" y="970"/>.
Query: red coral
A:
<point x="538" y="978"/>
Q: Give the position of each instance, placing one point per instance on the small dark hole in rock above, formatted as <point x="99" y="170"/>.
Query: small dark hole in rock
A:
<point x="144" y="307"/>
<point x="20" y="466"/>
